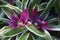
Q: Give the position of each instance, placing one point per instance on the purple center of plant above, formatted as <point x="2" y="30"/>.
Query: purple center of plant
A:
<point x="21" y="21"/>
<point x="17" y="22"/>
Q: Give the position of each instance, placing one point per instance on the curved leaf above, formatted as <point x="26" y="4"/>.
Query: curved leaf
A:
<point x="10" y="6"/>
<point x="32" y="3"/>
<point x="24" y="36"/>
<point x="18" y="3"/>
<point x="14" y="8"/>
<point x="44" y="34"/>
<point x="7" y="38"/>
<point x="47" y="9"/>
<point x="8" y="12"/>
<point x="35" y="31"/>
<point x="4" y="30"/>
<point x="39" y="38"/>
<point x="1" y="14"/>
<point x="24" y="4"/>
<point x="54" y="28"/>
<point x="55" y="38"/>
<point x="52" y="20"/>
<point x="14" y="32"/>
<point x="47" y="35"/>
<point x="42" y="6"/>
<point x="17" y="37"/>
<point x="36" y="7"/>
<point x="3" y="20"/>
<point x="2" y="2"/>
<point x="31" y="37"/>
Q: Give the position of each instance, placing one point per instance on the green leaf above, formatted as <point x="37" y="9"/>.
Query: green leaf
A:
<point x="35" y="31"/>
<point x="18" y="4"/>
<point x="14" y="32"/>
<point x="5" y="27"/>
<point x="24" y="4"/>
<point x="4" y="20"/>
<point x="47" y="9"/>
<point x="7" y="38"/>
<point x="39" y="38"/>
<point x="32" y="3"/>
<point x="52" y="20"/>
<point x="17" y="37"/>
<point x="3" y="2"/>
<point x="47" y="35"/>
<point x="42" y="6"/>
<point x="14" y="8"/>
<point x="36" y="7"/>
<point x="57" y="6"/>
<point x="24" y="36"/>
<point x="10" y="6"/>
<point x="44" y="34"/>
<point x="8" y="12"/>
<point x="55" y="38"/>
<point x="1" y="14"/>
<point x="31" y="37"/>
<point x="4" y="30"/>
<point x="54" y="28"/>
<point x="45" y="16"/>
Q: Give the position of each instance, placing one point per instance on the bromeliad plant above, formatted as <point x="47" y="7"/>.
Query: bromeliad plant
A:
<point x="27" y="20"/>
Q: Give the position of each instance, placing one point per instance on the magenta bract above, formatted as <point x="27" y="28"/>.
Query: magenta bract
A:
<point x="17" y="22"/>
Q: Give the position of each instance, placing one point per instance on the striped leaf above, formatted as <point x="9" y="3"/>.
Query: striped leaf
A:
<point x="24" y="4"/>
<point x="47" y="9"/>
<point x="52" y="20"/>
<point x="10" y="6"/>
<point x="42" y="6"/>
<point x="47" y="35"/>
<point x="14" y="32"/>
<point x="1" y="14"/>
<point x="54" y="28"/>
<point x="18" y="3"/>
<point x="31" y="37"/>
<point x="4" y="21"/>
<point x="8" y="12"/>
<point x="35" y="31"/>
<point x="32" y="3"/>
<point x="24" y="36"/>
